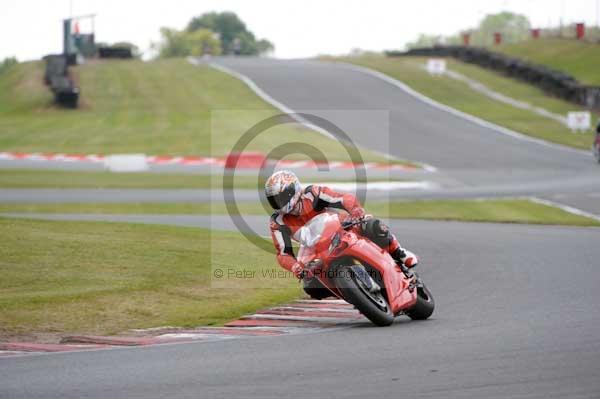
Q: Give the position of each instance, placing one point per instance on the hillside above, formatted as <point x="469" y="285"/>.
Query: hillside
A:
<point x="166" y="107"/>
<point x="580" y="59"/>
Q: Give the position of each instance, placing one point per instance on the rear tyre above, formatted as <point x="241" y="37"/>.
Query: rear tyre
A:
<point x="372" y="305"/>
<point x="425" y="303"/>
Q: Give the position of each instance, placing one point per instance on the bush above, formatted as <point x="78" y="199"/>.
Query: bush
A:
<point x="7" y="63"/>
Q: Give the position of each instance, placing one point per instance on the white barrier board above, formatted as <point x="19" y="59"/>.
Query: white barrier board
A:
<point x="126" y="163"/>
<point x="579" y="121"/>
<point x="436" y="66"/>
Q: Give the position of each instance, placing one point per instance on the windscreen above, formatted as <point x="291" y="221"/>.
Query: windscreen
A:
<point x="312" y="231"/>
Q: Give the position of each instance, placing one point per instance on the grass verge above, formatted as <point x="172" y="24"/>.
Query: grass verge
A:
<point x="34" y="178"/>
<point x="104" y="278"/>
<point x="458" y="95"/>
<point x="166" y="107"/>
<point x="576" y="57"/>
<point x="493" y="210"/>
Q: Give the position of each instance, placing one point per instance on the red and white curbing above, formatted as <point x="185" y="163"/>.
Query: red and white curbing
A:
<point x="301" y="316"/>
<point x="200" y="161"/>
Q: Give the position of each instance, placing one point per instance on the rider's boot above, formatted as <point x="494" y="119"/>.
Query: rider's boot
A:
<point x="405" y="259"/>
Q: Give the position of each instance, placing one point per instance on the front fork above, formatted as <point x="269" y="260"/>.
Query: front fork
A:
<point x="367" y="280"/>
<point x="410" y="275"/>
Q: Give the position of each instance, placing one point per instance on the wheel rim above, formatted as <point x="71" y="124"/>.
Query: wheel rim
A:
<point x="376" y="298"/>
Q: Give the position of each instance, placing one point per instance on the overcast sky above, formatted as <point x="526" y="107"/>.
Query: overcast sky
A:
<point x="30" y="29"/>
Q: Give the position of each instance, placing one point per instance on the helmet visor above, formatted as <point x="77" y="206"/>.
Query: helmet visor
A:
<point x="280" y="200"/>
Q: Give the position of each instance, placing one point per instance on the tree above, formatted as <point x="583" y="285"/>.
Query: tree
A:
<point x="176" y="43"/>
<point x="171" y="44"/>
<point x="424" y="40"/>
<point x="513" y="27"/>
<point x="264" y="46"/>
<point x="232" y="31"/>
<point x="226" y="24"/>
<point x="202" y="41"/>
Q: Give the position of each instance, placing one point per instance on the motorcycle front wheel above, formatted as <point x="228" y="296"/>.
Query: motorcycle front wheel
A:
<point x="372" y="305"/>
<point x="425" y="303"/>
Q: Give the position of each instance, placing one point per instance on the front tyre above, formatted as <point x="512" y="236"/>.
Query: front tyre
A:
<point x="315" y="289"/>
<point x="371" y="303"/>
<point x="425" y="303"/>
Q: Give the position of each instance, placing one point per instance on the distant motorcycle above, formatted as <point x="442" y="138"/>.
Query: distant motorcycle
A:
<point x="596" y="145"/>
<point x="355" y="269"/>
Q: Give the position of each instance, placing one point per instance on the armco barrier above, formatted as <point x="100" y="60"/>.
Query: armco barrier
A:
<point x="555" y="82"/>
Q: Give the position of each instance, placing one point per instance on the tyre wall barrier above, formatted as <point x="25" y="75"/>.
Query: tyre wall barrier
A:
<point x="56" y="76"/>
<point x="557" y="83"/>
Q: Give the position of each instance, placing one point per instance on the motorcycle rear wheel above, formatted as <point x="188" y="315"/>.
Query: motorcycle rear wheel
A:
<point x="376" y="309"/>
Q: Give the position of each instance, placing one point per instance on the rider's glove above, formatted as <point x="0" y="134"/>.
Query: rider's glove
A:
<point x="357" y="213"/>
<point x="297" y="269"/>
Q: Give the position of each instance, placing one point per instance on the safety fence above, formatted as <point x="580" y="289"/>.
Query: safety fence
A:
<point x="557" y="83"/>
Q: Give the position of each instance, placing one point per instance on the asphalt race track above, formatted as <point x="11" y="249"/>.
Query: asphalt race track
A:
<point x="517" y="316"/>
<point x="517" y="306"/>
<point x="467" y="154"/>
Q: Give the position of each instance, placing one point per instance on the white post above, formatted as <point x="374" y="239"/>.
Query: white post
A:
<point x="579" y="121"/>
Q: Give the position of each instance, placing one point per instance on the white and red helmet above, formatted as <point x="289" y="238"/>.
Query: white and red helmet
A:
<point x="283" y="191"/>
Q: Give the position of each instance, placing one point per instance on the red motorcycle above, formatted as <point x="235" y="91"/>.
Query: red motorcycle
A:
<point x="355" y="269"/>
<point x="596" y="145"/>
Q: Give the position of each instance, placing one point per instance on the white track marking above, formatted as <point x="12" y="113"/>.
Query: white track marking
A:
<point x="324" y="301"/>
<point x="379" y="186"/>
<point x="267" y="98"/>
<point x="553" y="204"/>
<point x="300" y="309"/>
<point x="479" y="87"/>
<point x="195" y="336"/>
<point x="285" y="109"/>
<point x="453" y="111"/>
<point x="563" y="207"/>
<point x="333" y="320"/>
<point x="566" y="208"/>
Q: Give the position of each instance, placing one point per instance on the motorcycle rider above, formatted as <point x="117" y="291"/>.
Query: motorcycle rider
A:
<point x="295" y="206"/>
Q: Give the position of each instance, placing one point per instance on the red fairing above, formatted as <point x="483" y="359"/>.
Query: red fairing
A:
<point x="399" y="294"/>
<point x="395" y="282"/>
